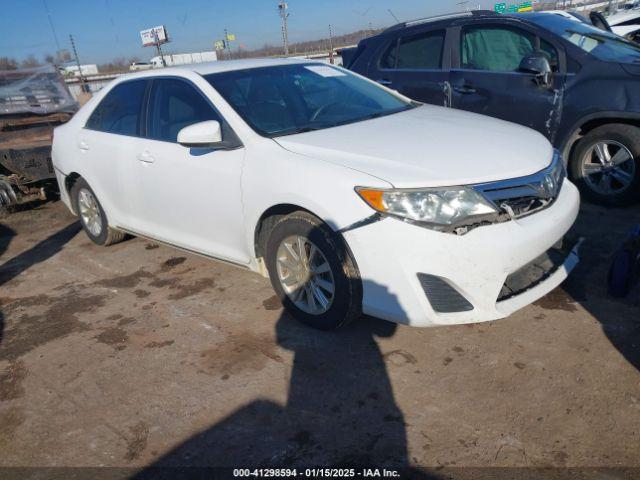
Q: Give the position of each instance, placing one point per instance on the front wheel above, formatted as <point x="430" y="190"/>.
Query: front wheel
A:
<point x="606" y="164"/>
<point x="313" y="272"/>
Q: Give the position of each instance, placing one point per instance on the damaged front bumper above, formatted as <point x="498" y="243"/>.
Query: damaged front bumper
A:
<point x="420" y="277"/>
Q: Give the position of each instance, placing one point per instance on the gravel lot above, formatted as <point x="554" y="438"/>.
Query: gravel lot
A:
<point x="137" y="355"/>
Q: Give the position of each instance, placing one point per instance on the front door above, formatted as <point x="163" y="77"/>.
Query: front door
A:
<point x="413" y="65"/>
<point x="189" y="197"/>
<point x="487" y="79"/>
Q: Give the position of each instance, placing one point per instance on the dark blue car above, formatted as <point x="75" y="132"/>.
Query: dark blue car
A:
<point x="574" y="83"/>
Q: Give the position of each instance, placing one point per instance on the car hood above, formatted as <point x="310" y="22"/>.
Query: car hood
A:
<point x="428" y="146"/>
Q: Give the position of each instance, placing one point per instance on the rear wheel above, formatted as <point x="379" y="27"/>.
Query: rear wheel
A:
<point x="313" y="272"/>
<point x="606" y="164"/>
<point x="92" y="216"/>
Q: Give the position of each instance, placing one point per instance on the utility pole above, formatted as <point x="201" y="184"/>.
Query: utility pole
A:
<point x="227" y="44"/>
<point x="157" y="42"/>
<point x="83" y="85"/>
<point x="282" y="8"/>
<point x="330" y="46"/>
<point x="53" y="29"/>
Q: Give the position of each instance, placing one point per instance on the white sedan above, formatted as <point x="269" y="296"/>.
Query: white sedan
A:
<point x="350" y="197"/>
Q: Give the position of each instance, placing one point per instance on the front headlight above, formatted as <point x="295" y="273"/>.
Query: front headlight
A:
<point x="440" y="208"/>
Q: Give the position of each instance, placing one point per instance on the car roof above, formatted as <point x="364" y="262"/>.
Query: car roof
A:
<point x="230" y="65"/>
<point x="441" y="18"/>
<point x="218" y="66"/>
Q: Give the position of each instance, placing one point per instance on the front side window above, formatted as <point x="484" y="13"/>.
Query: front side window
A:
<point x="286" y="99"/>
<point x="173" y="105"/>
<point x="495" y="49"/>
<point x="119" y="111"/>
<point x="423" y="51"/>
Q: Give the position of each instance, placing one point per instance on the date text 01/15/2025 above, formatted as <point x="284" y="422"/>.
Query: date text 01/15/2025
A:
<point x="316" y="473"/>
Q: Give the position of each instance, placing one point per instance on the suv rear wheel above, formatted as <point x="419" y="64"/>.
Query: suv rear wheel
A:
<point x="606" y="164"/>
<point x="312" y="272"/>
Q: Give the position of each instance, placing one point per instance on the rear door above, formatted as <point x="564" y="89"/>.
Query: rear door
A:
<point x="415" y="64"/>
<point x="106" y="145"/>
<point x="485" y="77"/>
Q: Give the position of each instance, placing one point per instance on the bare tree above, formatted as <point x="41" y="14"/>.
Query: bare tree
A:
<point x="30" y="62"/>
<point x="7" y="63"/>
<point x="119" y="64"/>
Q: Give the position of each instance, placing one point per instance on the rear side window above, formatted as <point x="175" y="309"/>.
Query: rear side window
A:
<point x="495" y="49"/>
<point x="119" y="111"/>
<point x="175" y="104"/>
<point x="422" y="51"/>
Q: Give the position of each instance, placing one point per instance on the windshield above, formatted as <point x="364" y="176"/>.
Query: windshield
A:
<point x="287" y="99"/>
<point x="603" y="45"/>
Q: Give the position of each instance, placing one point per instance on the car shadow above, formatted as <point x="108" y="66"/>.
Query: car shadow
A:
<point x="605" y="230"/>
<point x="340" y="412"/>
<point x="6" y="236"/>
<point x="40" y="252"/>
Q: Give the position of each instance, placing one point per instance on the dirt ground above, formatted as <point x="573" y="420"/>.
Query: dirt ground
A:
<point x="139" y="355"/>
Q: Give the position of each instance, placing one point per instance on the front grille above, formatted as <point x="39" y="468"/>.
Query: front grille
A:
<point x="523" y="196"/>
<point x="536" y="271"/>
<point x="442" y="296"/>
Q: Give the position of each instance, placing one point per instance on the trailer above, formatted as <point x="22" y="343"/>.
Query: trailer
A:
<point x="32" y="103"/>
<point x="174" y="59"/>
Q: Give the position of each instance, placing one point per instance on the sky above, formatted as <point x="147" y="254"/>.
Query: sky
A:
<point x="108" y="29"/>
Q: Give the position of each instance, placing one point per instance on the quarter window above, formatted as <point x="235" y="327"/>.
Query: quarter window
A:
<point x="119" y="111"/>
<point x="175" y="104"/>
<point x="500" y="49"/>
<point x="422" y="51"/>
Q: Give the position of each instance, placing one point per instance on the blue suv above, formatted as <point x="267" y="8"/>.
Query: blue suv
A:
<point x="574" y="83"/>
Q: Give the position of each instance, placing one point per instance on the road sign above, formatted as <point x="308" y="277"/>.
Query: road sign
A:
<point x="219" y="45"/>
<point x="513" y="8"/>
<point x="500" y="7"/>
<point x="525" y="7"/>
<point x="230" y="37"/>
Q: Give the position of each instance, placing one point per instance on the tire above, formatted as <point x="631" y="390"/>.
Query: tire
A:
<point x="618" y="138"/>
<point x="99" y="232"/>
<point x="345" y="303"/>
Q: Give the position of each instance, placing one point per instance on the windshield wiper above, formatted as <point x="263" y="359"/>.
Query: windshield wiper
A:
<point x="384" y="113"/>
<point x="294" y="131"/>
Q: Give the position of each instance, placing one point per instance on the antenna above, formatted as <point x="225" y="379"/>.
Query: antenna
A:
<point x="396" y="18"/>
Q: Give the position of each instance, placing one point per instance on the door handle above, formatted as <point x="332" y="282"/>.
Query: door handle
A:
<point x="465" y="89"/>
<point x="82" y="145"/>
<point x="384" y="81"/>
<point x="146" y="157"/>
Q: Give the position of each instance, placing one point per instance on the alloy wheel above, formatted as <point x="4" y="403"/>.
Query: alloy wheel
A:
<point x="305" y="275"/>
<point x="608" y="167"/>
<point x="90" y="212"/>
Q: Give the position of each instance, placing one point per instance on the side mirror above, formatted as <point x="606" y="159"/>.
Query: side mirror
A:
<point x="201" y="135"/>
<point x="538" y="64"/>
